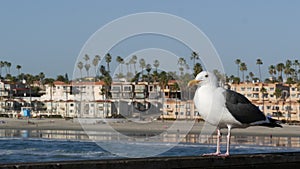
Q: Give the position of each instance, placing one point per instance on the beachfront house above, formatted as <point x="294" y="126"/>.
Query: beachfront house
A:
<point x="281" y="101"/>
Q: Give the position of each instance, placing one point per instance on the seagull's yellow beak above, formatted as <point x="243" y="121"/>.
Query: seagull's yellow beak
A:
<point x="193" y="82"/>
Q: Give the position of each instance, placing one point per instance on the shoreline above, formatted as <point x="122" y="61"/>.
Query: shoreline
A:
<point x="135" y="127"/>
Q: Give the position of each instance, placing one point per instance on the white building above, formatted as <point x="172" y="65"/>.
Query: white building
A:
<point x="77" y="99"/>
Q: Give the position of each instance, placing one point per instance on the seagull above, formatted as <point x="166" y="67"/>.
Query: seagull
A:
<point x="225" y="108"/>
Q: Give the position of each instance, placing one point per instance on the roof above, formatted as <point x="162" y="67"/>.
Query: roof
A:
<point x="59" y="83"/>
<point x="103" y="101"/>
<point x="87" y="83"/>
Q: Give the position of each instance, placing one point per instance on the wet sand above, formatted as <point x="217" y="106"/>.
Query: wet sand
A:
<point x="138" y="127"/>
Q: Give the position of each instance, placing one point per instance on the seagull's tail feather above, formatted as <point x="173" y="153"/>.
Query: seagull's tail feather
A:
<point x="271" y="123"/>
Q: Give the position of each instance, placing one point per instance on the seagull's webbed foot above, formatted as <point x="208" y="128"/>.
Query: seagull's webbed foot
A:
<point x="224" y="155"/>
<point x="218" y="152"/>
<point x="212" y="154"/>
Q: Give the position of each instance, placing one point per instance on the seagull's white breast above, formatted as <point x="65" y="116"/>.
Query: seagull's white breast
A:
<point x="210" y="102"/>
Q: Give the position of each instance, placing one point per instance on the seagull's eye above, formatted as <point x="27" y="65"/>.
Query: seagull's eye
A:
<point x="206" y="75"/>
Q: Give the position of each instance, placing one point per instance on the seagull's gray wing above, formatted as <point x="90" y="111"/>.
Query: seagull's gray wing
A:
<point x="242" y="109"/>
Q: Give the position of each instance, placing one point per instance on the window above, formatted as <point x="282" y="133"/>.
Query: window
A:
<point x="271" y="88"/>
<point x="127" y="88"/>
<point x="293" y="89"/>
<point x="127" y="95"/>
<point x="71" y="104"/>
<point x="116" y="88"/>
<point x="256" y="89"/>
<point x="139" y="88"/>
<point x="188" y="106"/>
<point x="115" y="95"/>
<point x="139" y="96"/>
<point x="151" y="88"/>
<point x="242" y="88"/>
<point x="181" y="113"/>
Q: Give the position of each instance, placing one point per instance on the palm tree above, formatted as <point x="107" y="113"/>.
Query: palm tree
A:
<point x="107" y="83"/>
<point x="87" y="67"/>
<point x="80" y="67"/>
<point x="259" y="62"/>
<point x="194" y="57"/>
<point x="129" y="74"/>
<point x="96" y="62"/>
<point x="1" y="66"/>
<point x="156" y="64"/>
<point x="18" y="67"/>
<point x="247" y="78"/>
<point x="243" y="68"/>
<point x="296" y="67"/>
<point x="86" y="58"/>
<point x="272" y="70"/>
<point x="280" y="67"/>
<point x="120" y="60"/>
<point x="148" y="69"/>
<point x="293" y="74"/>
<point x="277" y="93"/>
<point x="7" y="67"/>
<point x="287" y="71"/>
<point x="263" y="92"/>
<point x="133" y="61"/>
<point x="238" y="62"/>
<point x="108" y="60"/>
<point x="288" y="63"/>
<point x="142" y="64"/>
<point x="251" y="75"/>
<point x="181" y="62"/>
<point x="164" y="79"/>
<point x="41" y="77"/>
<point x="127" y="67"/>
<point x="197" y="69"/>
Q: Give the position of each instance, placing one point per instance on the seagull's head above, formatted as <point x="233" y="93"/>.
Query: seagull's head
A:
<point x="204" y="78"/>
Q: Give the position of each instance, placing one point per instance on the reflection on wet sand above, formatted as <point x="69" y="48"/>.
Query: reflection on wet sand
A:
<point x="291" y="142"/>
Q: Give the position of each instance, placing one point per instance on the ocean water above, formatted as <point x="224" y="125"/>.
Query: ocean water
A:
<point x="34" y="148"/>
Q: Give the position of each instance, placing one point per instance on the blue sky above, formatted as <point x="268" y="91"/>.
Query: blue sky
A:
<point x="47" y="36"/>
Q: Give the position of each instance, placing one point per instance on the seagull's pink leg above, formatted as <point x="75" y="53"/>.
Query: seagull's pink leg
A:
<point x="228" y="142"/>
<point x="218" y="141"/>
<point x="218" y="152"/>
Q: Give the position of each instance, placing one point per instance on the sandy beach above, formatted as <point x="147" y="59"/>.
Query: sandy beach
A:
<point x="129" y="126"/>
